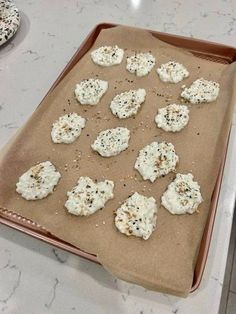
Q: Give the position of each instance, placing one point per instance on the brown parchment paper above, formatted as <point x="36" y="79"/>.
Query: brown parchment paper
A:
<point x="166" y="261"/>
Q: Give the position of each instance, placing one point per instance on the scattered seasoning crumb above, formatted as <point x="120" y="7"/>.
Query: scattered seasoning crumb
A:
<point x="103" y="222"/>
<point x="96" y="225"/>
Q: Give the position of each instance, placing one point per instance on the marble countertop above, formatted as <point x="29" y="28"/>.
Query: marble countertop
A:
<point x="38" y="278"/>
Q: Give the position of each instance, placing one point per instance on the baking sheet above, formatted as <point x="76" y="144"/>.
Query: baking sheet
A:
<point x="166" y="261"/>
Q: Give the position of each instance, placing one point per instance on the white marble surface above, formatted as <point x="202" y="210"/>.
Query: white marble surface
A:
<point x="37" y="278"/>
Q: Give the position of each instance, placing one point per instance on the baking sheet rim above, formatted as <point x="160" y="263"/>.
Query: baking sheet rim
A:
<point x="47" y="237"/>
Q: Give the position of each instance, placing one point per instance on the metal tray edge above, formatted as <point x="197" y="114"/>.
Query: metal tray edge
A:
<point x="91" y="37"/>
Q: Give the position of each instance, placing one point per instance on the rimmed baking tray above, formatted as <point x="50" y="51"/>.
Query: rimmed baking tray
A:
<point x="203" y="49"/>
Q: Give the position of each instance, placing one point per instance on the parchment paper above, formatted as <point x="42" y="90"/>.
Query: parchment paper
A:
<point x="166" y="261"/>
